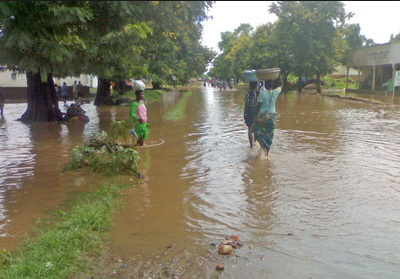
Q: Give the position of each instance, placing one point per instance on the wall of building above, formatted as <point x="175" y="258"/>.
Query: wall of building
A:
<point x="381" y="57"/>
<point x="342" y="71"/>
<point x="14" y="85"/>
<point x="11" y="79"/>
<point x="374" y="55"/>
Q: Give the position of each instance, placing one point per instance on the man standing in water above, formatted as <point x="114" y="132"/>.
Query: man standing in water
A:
<point x="79" y="88"/>
<point x="250" y="106"/>
<point x="64" y="92"/>
<point x="2" y="101"/>
<point x="389" y="86"/>
<point x="75" y="91"/>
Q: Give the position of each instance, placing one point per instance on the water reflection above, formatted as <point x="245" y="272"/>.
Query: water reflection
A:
<point x="309" y="210"/>
<point x="31" y="170"/>
<point x="326" y="203"/>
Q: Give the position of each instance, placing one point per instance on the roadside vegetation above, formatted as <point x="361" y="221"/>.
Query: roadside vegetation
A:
<point x="149" y="95"/>
<point x="104" y="155"/>
<point x="338" y="83"/>
<point x="307" y="41"/>
<point x="178" y="112"/>
<point x="113" y="40"/>
<point x="67" y="243"/>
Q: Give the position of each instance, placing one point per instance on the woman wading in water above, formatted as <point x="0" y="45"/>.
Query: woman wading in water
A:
<point x="265" y="115"/>
<point x="138" y="118"/>
<point x="250" y="108"/>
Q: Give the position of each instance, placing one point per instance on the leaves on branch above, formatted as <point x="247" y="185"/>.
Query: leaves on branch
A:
<point x="102" y="154"/>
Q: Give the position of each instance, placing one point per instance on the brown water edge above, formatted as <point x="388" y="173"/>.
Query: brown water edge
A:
<point x="310" y="211"/>
<point x="330" y="187"/>
<point x="32" y="180"/>
<point x="32" y="159"/>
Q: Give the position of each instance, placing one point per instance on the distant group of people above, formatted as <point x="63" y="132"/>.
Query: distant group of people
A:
<point x="220" y="84"/>
<point x="77" y="91"/>
<point x="260" y="112"/>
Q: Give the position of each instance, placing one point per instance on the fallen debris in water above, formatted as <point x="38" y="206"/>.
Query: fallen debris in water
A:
<point x="235" y="237"/>
<point x="230" y="243"/>
<point x="225" y="249"/>
<point x="220" y="267"/>
<point x="100" y="153"/>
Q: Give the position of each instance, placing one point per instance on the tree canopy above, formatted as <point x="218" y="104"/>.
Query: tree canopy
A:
<point x="308" y="39"/>
<point x="115" y="40"/>
<point x="44" y="36"/>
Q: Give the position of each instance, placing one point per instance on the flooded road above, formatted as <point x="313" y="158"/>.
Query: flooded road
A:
<point x="325" y="204"/>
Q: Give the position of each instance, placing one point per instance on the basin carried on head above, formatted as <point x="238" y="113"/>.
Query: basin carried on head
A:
<point x="250" y="75"/>
<point x="138" y="85"/>
<point x="268" y="74"/>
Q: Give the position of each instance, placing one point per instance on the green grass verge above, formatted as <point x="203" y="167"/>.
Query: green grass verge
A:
<point x="178" y="112"/>
<point x="153" y="94"/>
<point x="65" y="245"/>
<point x="340" y="83"/>
<point x="149" y="94"/>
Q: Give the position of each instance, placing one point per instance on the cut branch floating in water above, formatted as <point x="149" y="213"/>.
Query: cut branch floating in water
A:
<point x="101" y="154"/>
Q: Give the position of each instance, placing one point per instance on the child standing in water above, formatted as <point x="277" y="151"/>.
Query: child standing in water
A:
<point x="138" y="118"/>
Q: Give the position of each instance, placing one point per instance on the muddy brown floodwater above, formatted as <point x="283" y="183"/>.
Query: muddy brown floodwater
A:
<point x="326" y="204"/>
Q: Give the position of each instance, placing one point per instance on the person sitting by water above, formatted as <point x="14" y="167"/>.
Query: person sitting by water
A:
<point x="138" y="118"/>
<point x="265" y="115"/>
<point x="250" y="109"/>
<point x="75" y="110"/>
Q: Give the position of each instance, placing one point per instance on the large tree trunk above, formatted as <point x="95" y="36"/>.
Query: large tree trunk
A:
<point x="318" y="83"/>
<point x="42" y="99"/>
<point x="103" y="95"/>
<point x="121" y="87"/>
<point x="285" y="83"/>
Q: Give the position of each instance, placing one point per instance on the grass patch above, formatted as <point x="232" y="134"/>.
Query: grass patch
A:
<point x="63" y="245"/>
<point x="149" y="94"/>
<point x="338" y="83"/>
<point x="178" y="112"/>
<point x="153" y="94"/>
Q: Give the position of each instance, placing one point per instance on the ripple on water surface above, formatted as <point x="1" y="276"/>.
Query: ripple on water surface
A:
<point x="326" y="203"/>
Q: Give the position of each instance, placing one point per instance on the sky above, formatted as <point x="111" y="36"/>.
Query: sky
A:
<point x="377" y="19"/>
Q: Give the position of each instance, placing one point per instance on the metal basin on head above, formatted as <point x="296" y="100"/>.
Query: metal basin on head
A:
<point x="250" y="75"/>
<point x="268" y="74"/>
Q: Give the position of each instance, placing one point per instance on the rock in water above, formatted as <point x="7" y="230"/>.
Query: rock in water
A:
<point x="235" y="237"/>
<point x="225" y="249"/>
<point x="220" y="267"/>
